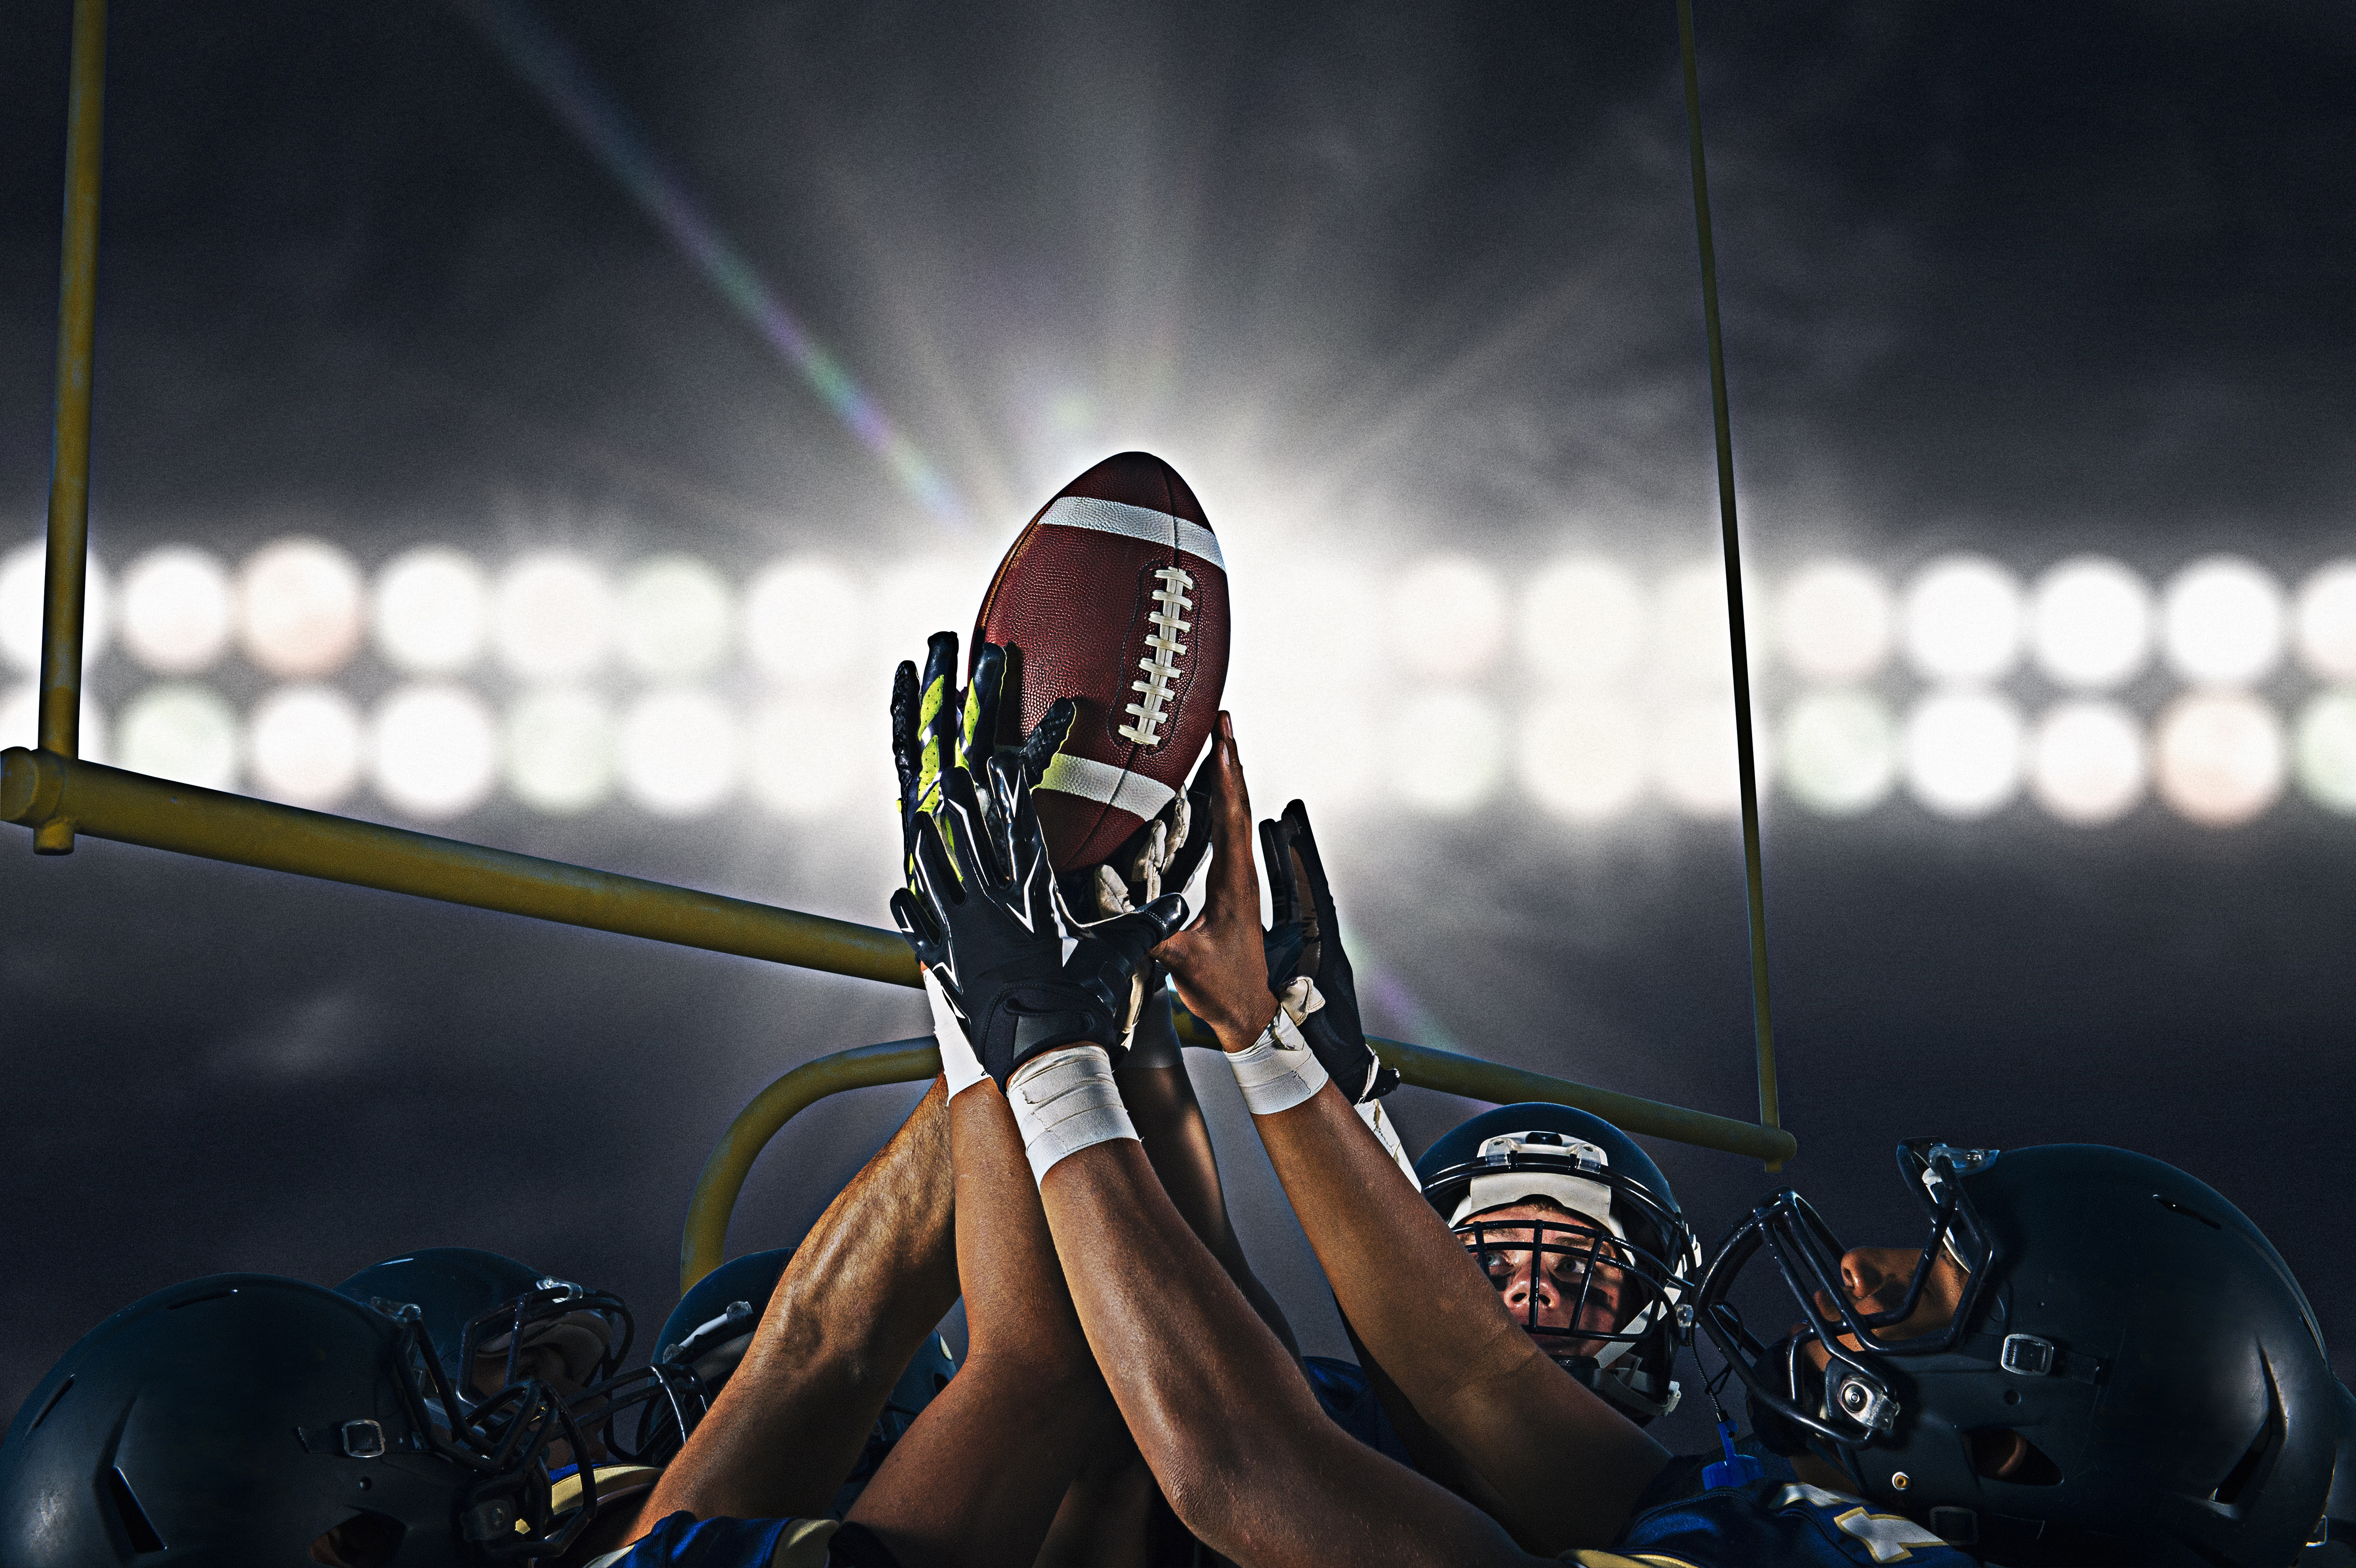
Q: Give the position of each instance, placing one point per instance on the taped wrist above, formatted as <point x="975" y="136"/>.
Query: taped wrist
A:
<point x="1030" y="1020"/>
<point x="958" y="1064"/>
<point x="1277" y="1070"/>
<point x="1064" y="1101"/>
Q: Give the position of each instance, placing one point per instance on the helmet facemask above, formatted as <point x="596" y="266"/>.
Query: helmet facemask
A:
<point x="1851" y="1399"/>
<point x="592" y="1331"/>
<point x="506" y="1440"/>
<point x="1597" y="1278"/>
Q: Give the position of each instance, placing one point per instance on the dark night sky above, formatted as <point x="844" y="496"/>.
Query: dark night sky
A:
<point x="2032" y="279"/>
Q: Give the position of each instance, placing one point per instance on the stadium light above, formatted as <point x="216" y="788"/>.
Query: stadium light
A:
<point x="1690" y="643"/>
<point x="2087" y="762"/>
<point x="2325" y="622"/>
<point x="1963" y="619"/>
<point x="1448" y="616"/>
<point x="809" y="756"/>
<point x="2221" y="621"/>
<point x="1839" y="752"/>
<point x="1583" y="621"/>
<point x="299" y="608"/>
<point x="21" y="608"/>
<point x="677" y="617"/>
<point x="1446" y="750"/>
<point x="553" y="618"/>
<point x="1581" y="754"/>
<point x="805" y="621"/>
<point x="1835" y="621"/>
<point x="432" y="751"/>
<point x="2090" y="623"/>
<point x="177" y="610"/>
<point x="20" y="721"/>
<point x="1963" y="753"/>
<point x="1693" y="756"/>
<point x="558" y="751"/>
<point x="304" y="746"/>
<point x="182" y="731"/>
<point x="2326" y="750"/>
<point x="2219" y="757"/>
<point x="432" y="613"/>
<point x="679" y="751"/>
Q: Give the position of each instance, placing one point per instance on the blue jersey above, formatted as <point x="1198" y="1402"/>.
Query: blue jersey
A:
<point x="1771" y="1524"/>
<point x="1349" y="1397"/>
<point x="682" y="1540"/>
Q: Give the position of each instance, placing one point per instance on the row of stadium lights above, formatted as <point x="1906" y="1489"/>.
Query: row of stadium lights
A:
<point x="1614" y="696"/>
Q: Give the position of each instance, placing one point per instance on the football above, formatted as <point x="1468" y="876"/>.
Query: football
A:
<point x="1114" y="596"/>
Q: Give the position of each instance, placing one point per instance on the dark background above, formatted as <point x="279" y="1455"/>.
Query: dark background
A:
<point x="2029" y="279"/>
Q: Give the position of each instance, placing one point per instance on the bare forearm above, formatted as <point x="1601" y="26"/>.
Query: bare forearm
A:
<point x="1169" y="1119"/>
<point x="871" y="1278"/>
<point x="1217" y="1405"/>
<point x="976" y="1482"/>
<point x="1561" y="1468"/>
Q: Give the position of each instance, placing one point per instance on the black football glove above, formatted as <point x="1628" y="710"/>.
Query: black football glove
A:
<point x="1305" y="941"/>
<point x="985" y="917"/>
<point x="935" y="727"/>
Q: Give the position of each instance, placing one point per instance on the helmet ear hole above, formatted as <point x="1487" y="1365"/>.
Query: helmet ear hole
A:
<point x="2002" y="1454"/>
<point x="364" y="1540"/>
<point x="136" y="1527"/>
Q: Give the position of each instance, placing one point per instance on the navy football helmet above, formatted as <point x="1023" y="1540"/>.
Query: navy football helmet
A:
<point x="478" y="1305"/>
<point x="239" y="1419"/>
<point x="711" y="1329"/>
<point x="494" y="1322"/>
<point x="712" y="1326"/>
<point x="1601" y="1289"/>
<point x="2333" y="1542"/>
<point x="2125" y="1339"/>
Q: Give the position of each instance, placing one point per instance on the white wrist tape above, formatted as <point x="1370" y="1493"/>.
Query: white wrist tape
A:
<point x="1278" y="1070"/>
<point x="959" y="1063"/>
<point x="1065" y="1102"/>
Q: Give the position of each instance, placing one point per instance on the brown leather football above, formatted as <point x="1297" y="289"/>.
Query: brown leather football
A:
<point x="1114" y="596"/>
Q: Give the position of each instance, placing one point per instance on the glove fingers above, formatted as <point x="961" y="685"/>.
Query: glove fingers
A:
<point x="904" y="731"/>
<point x="969" y="830"/>
<point x="916" y="923"/>
<point x="936" y="734"/>
<point x="1008" y="800"/>
<point x="1168" y="914"/>
<point x="1317" y="916"/>
<point x="936" y="880"/>
<point x="1047" y="737"/>
<point x="978" y="732"/>
<point x="1132" y="935"/>
<point x="1329" y="963"/>
<point x="1283" y="892"/>
<point x="1304" y="845"/>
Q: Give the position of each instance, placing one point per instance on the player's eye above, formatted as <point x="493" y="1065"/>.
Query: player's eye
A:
<point x="1569" y="1266"/>
<point x="1500" y="1265"/>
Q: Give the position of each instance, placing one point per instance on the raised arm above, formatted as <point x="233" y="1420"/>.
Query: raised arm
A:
<point x="868" y="1283"/>
<point x="1216" y="1403"/>
<point x="1558" y="1464"/>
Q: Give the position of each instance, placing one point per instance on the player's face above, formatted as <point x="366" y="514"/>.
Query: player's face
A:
<point x="1560" y="1274"/>
<point x="1875" y="1279"/>
<point x="546" y="1363"/>
<point x="541" y="1361"/>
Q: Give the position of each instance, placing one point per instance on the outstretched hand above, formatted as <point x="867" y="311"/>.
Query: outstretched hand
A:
<point x="1220" y="961"/>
